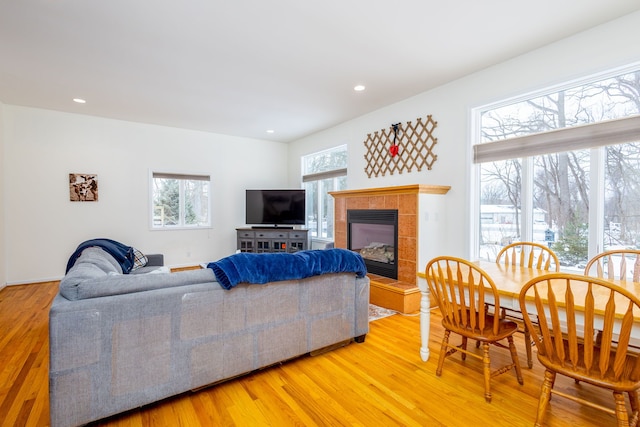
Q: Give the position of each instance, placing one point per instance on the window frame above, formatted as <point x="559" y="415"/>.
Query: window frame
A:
<point x="318" y="177"/>
<point x="180" y="176"/>
<point x="594" y="136"/>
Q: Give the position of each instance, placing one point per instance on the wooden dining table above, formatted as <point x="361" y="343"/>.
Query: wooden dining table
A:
<point x="509" y="281"/>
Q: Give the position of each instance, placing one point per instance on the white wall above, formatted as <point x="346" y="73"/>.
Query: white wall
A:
<point x="3" y="263"/>
<point x="610" y="45"/>
<point x="43" y="227"/>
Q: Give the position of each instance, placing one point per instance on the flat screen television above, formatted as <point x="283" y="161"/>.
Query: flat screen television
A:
<point x="275" y="207"/>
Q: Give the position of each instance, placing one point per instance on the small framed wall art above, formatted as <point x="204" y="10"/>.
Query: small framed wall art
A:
<point x="83" y="187"/>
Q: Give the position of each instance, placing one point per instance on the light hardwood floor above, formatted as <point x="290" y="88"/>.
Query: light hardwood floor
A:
<point x="382" y="382"/>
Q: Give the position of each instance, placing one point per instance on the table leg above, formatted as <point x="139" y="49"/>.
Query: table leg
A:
<point x="425" y="324"/>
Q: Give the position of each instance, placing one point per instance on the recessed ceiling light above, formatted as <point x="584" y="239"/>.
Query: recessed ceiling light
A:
<point x="359" y="88"/>
<point x="79" y="100"/>
<point x="270" y="131"/>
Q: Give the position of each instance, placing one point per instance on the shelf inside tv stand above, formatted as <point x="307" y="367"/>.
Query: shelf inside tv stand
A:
<point x="272" y="239"/>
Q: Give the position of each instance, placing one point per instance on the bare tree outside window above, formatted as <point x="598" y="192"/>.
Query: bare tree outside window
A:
<point x="560" y="183"/>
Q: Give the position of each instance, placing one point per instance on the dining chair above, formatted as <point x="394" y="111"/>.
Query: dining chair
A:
<point x="622" y="264"/>
<point x="570" y="308"/>
<point x="461" y="289"/>
<point x="529" y="255"/>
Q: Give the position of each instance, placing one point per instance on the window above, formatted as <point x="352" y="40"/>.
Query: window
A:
<point x="180" y="201"/>
<point x="323" y="172"/>
<point x="562" y="168"/>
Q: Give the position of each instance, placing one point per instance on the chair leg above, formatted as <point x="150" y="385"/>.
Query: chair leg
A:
<point x="443" y="352"/>
<point x="486" y="362"/>
<point x="633" y="399"/>
<point x="516" y="361"/>
<point x="464" y="347"/>
<point x="621" y="409"/>
<point x="635" y="405"/>
<point x="545" y="395"/>
<point x="527" y="343"/>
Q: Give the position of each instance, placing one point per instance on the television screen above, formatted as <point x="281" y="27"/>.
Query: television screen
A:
<point x="275" y="207"/>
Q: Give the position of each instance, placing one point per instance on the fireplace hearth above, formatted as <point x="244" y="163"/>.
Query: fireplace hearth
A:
<point x="374" y="234"/>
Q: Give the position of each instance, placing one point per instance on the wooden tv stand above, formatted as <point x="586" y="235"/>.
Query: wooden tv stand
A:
<point x="273" y="239"/>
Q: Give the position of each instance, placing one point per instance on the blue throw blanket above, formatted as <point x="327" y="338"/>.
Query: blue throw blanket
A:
<point x="122" y="253"/>
<point x="248" y="267"/>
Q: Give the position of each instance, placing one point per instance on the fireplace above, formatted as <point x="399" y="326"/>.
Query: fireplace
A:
<point x="374" y="234"/>
<point x="419" y="208"/>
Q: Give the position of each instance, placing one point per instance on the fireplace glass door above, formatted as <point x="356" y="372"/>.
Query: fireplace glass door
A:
<point x="374" y="234"/>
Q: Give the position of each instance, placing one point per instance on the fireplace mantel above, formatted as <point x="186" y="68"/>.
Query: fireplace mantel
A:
<point x="421" y="214"/>
<point x="385" y="191"/>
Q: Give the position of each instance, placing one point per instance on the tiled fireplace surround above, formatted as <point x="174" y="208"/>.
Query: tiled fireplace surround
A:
<point x="401" y="294"/>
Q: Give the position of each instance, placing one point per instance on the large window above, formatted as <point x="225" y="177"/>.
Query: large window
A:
<point x="180" y="201"/>
<point x="562" y="168"/>
<point x="323" y="172"/>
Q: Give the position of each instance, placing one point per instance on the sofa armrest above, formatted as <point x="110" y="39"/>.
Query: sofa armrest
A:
<point x="109" y="285"/>
<point x="155" y="260"/>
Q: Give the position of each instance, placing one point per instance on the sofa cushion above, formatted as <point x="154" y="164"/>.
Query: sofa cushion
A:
<point x="122" y="253"/>
<point x="95" y="262"/>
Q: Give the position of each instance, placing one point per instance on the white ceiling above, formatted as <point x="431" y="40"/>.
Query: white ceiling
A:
<point x="240" y="67"/>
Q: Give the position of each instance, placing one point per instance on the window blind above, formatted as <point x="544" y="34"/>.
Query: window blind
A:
<point x="181" y="176"/>
<point x="610" y="132"/>
<point x="324" y="175"/>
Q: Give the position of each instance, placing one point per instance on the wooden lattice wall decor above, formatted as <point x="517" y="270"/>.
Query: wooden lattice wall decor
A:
<point x="401" y="148"/>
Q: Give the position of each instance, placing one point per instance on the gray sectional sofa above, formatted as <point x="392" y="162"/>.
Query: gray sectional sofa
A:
<point x="121" y="341"/>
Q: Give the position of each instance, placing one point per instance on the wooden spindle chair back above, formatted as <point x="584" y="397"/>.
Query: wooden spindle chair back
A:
<point x="530" y="255"/>
<point x="572" y="311"/>
<point x="462" y="291"/>
<point x="622" y="264"/>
